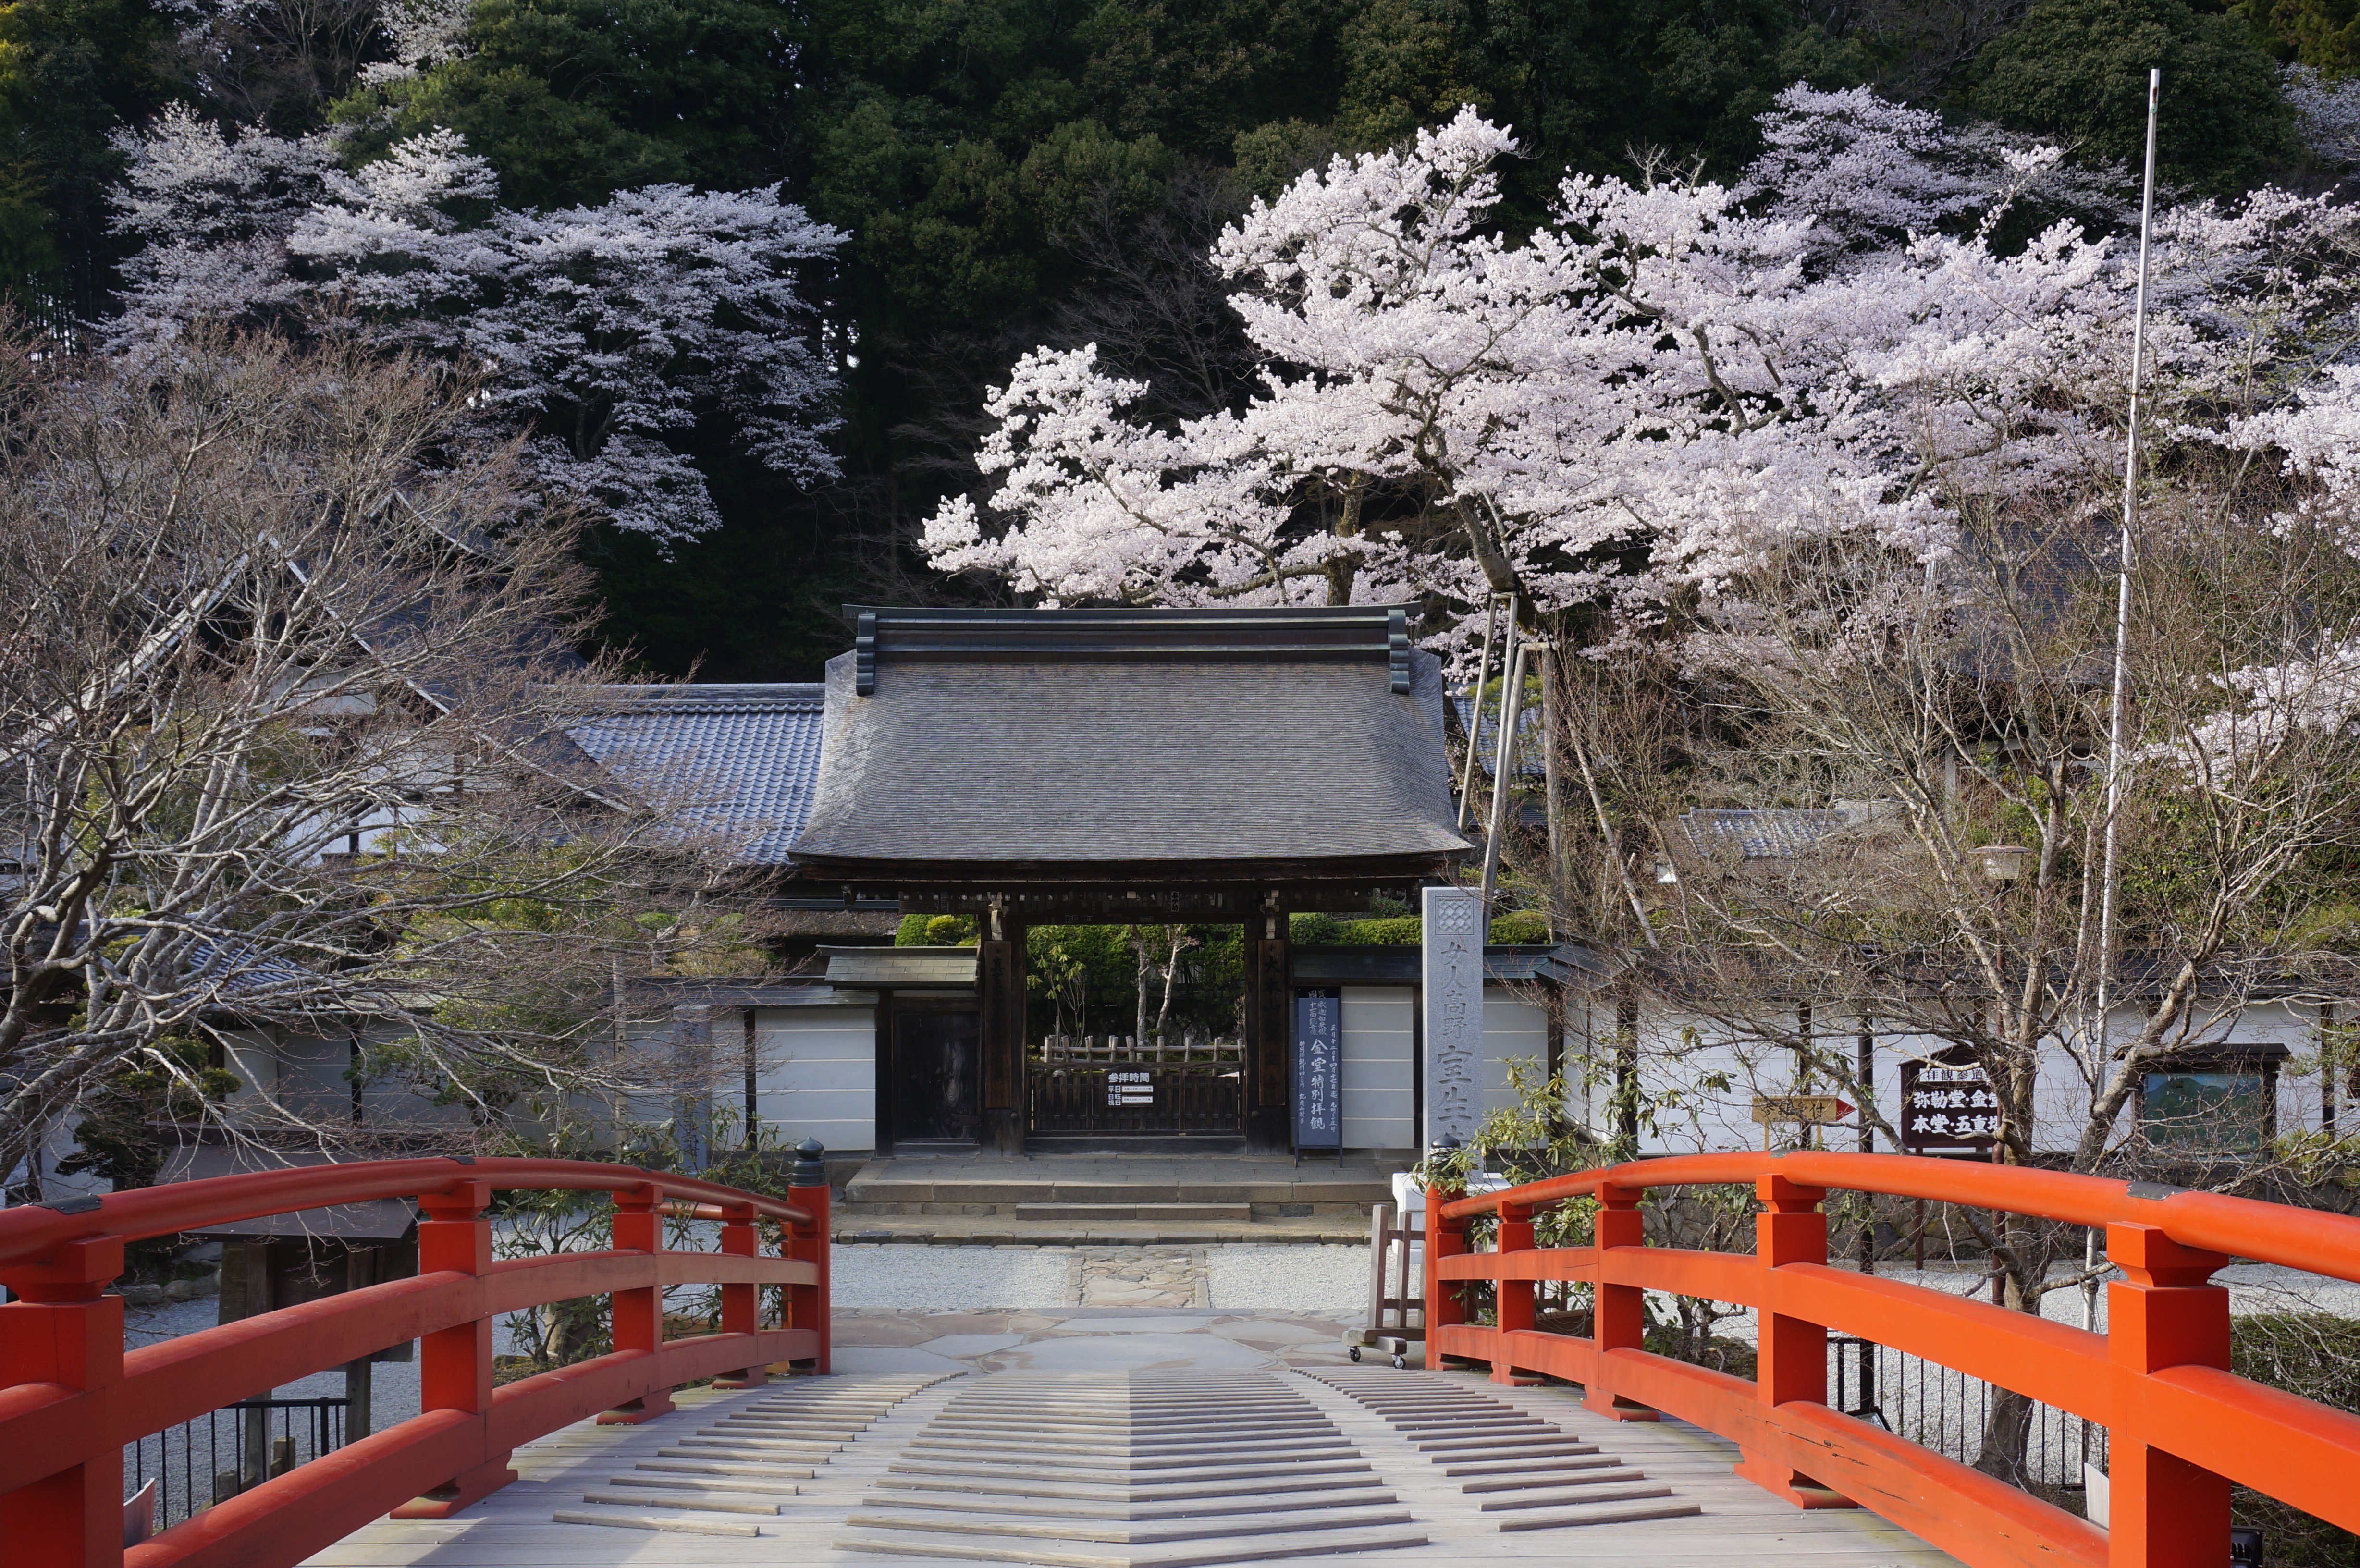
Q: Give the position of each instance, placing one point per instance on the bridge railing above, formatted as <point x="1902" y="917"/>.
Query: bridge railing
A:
<point x="2182" y="1426"/>
<point x="70" y="1396"/>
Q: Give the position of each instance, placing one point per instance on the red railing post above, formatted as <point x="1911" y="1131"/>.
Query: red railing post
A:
<point x="2162" y="1511"/>
<point x="637" y="1315"/>
<point x="741" y="1304"/>
<point x="454" y="1370"/>
<point x="63" y="1329"/>
<point x="1792" y="1352"/>
<point x="1444" y="1238"/>
<point x="1511" y="1300"/>
<point x="806" y="1240"/>
<point x="1618" y="1314"/>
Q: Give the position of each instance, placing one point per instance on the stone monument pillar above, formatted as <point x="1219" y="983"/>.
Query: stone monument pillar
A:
<point x="1451" y="976"/>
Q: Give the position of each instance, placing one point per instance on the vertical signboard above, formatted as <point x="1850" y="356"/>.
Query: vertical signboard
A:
<point x="1318" y="1069"/>
<point x="1451" y="984"/>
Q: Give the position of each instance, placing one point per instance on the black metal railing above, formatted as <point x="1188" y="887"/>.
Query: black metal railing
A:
<point x="1951" y="1413"/>
<point x="223" y="1453"/>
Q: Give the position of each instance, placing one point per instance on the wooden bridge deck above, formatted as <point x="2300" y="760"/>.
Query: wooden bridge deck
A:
<point x="1104" y="1456"/>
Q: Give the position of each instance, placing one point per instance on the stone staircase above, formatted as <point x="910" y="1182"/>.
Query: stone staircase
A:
<point x="1080" y="1201"/>
<point x="1133" y="1471"/>
<point x="747" y="1460"/>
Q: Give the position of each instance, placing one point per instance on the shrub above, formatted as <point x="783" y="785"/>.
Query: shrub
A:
<point x="2316" y="1356"/>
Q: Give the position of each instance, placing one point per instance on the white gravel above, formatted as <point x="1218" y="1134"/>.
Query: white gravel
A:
<point x="948" y="1279"/>
<point x="1319" y="1280"/>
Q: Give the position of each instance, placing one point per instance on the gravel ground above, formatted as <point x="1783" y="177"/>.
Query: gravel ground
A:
<point x="1319" y="1280"/>
<point x="948" y="1279"/>
<point x="1323" y="1280"/>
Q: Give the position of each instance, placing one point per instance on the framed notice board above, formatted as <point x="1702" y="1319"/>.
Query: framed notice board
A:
<point x="1318" y="1069"/>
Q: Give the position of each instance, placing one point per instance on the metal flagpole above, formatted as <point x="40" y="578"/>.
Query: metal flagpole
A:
<point x="2117" y="716"/>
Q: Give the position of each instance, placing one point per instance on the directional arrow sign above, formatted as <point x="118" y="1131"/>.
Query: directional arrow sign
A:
<point x="1816" y="1110"/>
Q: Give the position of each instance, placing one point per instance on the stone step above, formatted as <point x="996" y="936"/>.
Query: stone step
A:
<point x="1551" y="1499"/>
<point x="1175" y="1429"/>
<point x="1622" y="1513"/>
<point x="1240" y="1213"/>
<point x="1539" y="1442"/>
<point x="1275" y="1483"/>
<point x="692" y="1484"/>
<point x="1526" y="1483"/>
<point x="1256" y="1504"/>
<point x="1341" y="1461"/>
<point x="1140" y="1459"/>
<point x="1137" y="1533"/>
<point x="1262" y="1550"/>
<point x="653" y="1522"/>
<point x="1204" y="1187"/>
<point x="703" y="1505"/>
<point x="725" y="1467"/>
<point x="1581" y="1456"/>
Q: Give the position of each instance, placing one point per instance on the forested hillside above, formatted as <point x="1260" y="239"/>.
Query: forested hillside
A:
<point x="902" y="197"/>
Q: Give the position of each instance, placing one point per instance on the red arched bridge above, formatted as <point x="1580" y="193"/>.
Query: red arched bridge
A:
<point x="2183" y="1427"/>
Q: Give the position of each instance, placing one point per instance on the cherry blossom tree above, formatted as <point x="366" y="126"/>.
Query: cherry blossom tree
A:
<point x="1640" y="398"/>
<point x="603" y="331"/>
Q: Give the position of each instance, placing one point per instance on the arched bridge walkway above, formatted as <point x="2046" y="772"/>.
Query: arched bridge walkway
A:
<point x="1511" y="1444"/>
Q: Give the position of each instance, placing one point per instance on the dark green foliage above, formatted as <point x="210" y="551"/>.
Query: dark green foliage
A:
<point x="573" y="100"/>
<point x="70" y="72"/>
<point x="117" y="1135"/>
<point x="2324" y="33"/>
<point x="1516" y="927"/>
<point x="2077" y="69"/>
<point x="2317" y="1356"/>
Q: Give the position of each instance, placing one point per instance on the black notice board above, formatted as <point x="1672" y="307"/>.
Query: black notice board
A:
<point x="1318" y="1069"/>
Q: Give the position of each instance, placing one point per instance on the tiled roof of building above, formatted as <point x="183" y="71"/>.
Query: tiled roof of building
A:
<point x="741" y="761"/>
<point x="1184" y="736"/>
<point x="1775" y="835"/>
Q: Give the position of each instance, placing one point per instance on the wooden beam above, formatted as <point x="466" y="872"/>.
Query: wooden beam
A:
<point x="1269" y="1028"/>
<point x="999" y="1028"/>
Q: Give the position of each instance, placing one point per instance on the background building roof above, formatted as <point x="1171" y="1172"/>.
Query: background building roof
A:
<point x="1155" y="752"/>
<point x="739" y="760"/>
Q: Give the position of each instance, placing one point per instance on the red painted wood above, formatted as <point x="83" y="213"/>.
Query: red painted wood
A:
<point x="71" y="1398"/>
<point x="2183" y="1428"/>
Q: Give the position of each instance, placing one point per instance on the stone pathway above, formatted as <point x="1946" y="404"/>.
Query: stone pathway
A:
<point x="1139" y="1277"/>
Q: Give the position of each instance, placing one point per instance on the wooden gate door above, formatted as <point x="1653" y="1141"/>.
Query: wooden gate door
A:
<point x="931" y="1079"/>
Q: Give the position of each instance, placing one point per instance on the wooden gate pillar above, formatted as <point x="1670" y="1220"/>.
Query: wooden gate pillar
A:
<point x="1270" y="1030"/>
<point x="999" y="1028"/>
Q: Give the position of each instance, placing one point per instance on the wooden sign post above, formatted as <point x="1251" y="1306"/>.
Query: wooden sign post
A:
<point x="1810" y="1110"/>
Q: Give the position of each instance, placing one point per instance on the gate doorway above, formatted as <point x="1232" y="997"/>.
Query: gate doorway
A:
<point x="931" y="1077"/>
<point x="1135" y="1032"/>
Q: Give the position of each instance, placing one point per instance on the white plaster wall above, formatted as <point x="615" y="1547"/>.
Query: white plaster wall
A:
<point x="1512" y="1028"/>
<point x="1380" y="1067"/>
<point x="1681" y="1056"/>
<point x="817" y="1074"/>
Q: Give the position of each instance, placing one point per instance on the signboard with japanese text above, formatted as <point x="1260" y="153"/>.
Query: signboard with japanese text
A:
<point x="1946" y="1110"/>
<point x="1131" y="1088"/>
<point x="1318" y="1069"/>
<point x="1450" y="976"/>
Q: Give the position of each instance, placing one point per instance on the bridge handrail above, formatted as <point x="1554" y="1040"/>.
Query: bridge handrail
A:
<point x="70" y="1396"/>
<point x="2243" y="1227"/>
<point x="28" y="1231"/>
<point x="2183" y="1427"/>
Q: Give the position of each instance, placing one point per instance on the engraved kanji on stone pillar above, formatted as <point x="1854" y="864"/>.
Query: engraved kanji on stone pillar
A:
<point x="1452" y="979"/>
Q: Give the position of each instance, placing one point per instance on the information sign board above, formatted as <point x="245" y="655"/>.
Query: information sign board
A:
<point x="1318" y="1062"/>
<point x="1946" y="1109"/>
